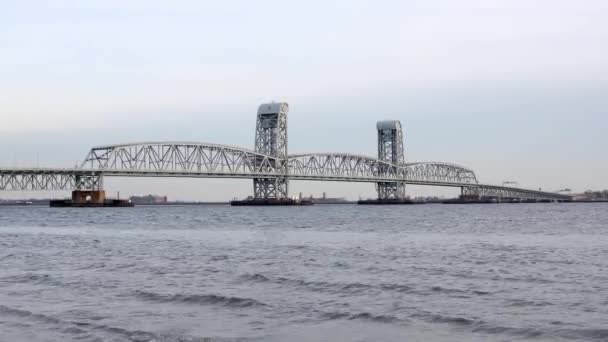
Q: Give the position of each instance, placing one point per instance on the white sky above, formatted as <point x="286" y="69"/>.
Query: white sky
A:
<point x="516" y="90"/>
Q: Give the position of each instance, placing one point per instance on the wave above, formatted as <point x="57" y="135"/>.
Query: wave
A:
<point x="361" y="316"/>
<point x="80" y="330"/>
<point x="323" y="286"/>
<point x="92" y="266"/>
<point x="78" y="327"/>
<point x="599" y="334"/>
<point x="25" y="278"/>
<point x="396" y="287"/>
<point x="255" y="277"/>
<point x="476" y="325"/>
<point x="24" y="313"/>
<point x="458" y="293"/>
<point x="480" y="293"/>
<point x="200" y="299"/>
<point x="445" y="290"/>
<point x="356" y="287"/>
<point x="438" y="318"/>
<point x="32" y="278"/>
<point x="523" y="302"/>
<point x="527" y="333"/>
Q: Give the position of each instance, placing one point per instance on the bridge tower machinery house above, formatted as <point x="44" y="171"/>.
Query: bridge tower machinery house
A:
<point x="271" y="140"/>
<point x="390" y="150"/>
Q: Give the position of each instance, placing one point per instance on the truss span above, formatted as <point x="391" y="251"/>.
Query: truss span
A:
<point x="179" y="159"/>
<point x="353" y="167"/>
<point x="37" y="179"/>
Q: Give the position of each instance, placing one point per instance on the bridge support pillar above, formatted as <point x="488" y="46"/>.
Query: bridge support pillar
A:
<point x="265" y="188"/>
<point x="88" y="189"/>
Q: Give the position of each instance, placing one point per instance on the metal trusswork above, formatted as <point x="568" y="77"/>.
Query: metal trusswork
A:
<point x="339" y="167"/>
<point x="358" y="168"/>
<point x="508" y="193"/>
<point x="50" y="179"/>
<point x="179" y="159"/>
<point x="390" y="150"/>
<point x="433" y="172"/>
<point x="268" y="165"/>
<point x="271" y="140"/>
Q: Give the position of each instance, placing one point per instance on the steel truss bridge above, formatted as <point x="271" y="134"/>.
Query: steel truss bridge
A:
<point x="269" y="165"/>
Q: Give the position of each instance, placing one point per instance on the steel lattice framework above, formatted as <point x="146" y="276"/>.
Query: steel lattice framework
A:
<point x="179" y="158"/>
<point x="390" y="150"/>
<point x="201" y="160"/>
<point x="271" y="139"/>
<point x="358" y="168"/>
<point x="50" y="179"/>
<point x="269" y="165"/>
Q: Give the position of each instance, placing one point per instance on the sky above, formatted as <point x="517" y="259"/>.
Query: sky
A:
<point x="516" y="90"/>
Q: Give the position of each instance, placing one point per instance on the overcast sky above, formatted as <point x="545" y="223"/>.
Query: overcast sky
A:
<point x="516" y="90"/>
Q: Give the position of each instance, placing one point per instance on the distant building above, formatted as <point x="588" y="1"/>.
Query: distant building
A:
<point x="149" y="199"/>
<point x="327" y="200"/>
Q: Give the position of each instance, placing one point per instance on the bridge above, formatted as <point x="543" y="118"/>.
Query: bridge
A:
<point x="269" y="165"/>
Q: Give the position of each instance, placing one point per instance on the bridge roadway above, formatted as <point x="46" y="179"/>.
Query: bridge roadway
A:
<point x="203" y="160"/>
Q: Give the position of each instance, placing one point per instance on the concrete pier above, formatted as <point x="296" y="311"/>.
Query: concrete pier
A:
<point x="90" y="198"/>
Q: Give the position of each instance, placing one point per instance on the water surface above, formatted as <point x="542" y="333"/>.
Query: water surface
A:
<point x="320" y="273"/>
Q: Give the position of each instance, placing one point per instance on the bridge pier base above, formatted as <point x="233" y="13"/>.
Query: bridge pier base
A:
<point x="88" y="196"/>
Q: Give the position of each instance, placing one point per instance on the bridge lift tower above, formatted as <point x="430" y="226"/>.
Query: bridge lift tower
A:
<point x="390" y="149"/>
<point x="271" y="140"/>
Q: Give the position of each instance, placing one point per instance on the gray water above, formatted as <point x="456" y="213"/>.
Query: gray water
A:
<point x="320" y="273"/>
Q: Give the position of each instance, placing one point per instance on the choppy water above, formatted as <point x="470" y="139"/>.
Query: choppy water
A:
<point x="321" y="273"/>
